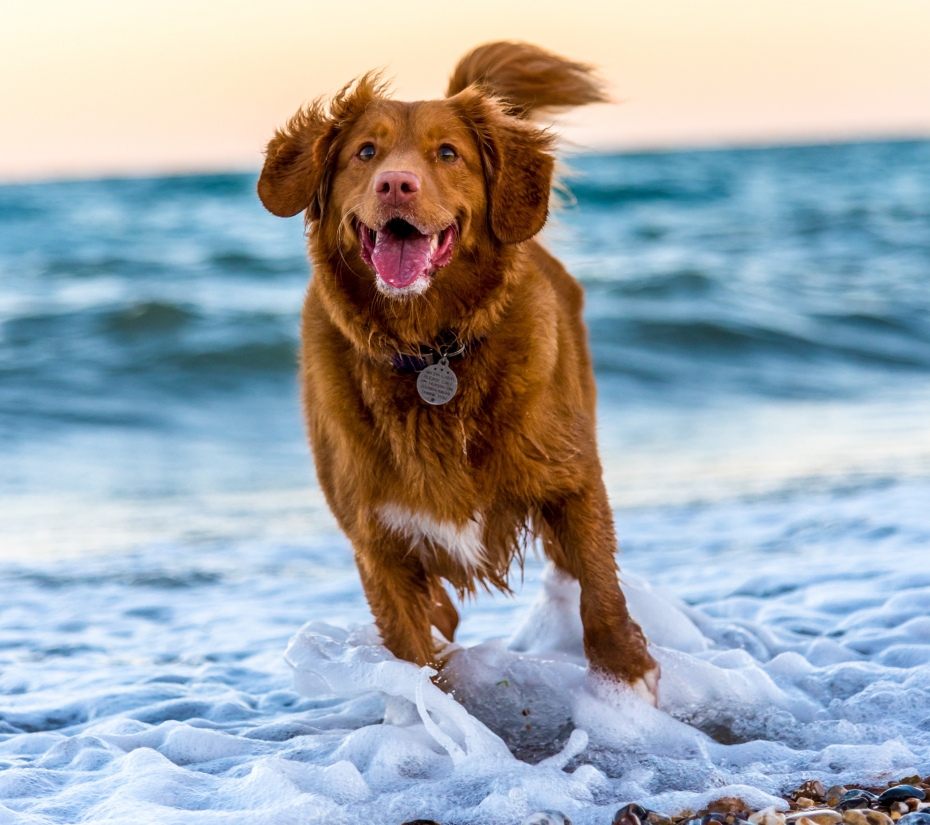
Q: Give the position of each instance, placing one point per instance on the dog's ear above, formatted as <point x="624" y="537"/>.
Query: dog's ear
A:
<point x="299" y="158"/>
<point x="295" y="160"/>
<point x="518" y="164"/>
<point x="519" y="190"/>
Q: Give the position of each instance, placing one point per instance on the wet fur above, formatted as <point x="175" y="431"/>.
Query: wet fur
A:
<point x="516" y="445"/>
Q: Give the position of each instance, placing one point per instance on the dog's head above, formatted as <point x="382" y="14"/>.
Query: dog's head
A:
<point x="399" y="192"/>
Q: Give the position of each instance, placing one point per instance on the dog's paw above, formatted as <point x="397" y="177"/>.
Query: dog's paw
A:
<point x="647" y="686"/>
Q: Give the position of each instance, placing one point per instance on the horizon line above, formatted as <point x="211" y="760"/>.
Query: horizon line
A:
<point x="568" y="148"/>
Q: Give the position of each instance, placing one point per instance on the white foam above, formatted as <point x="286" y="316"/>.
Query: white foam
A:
<point x="151" y="688"/>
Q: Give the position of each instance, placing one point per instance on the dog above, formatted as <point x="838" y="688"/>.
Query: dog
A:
<point x="447" y="384"/>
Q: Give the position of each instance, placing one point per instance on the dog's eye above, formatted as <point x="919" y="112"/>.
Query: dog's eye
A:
<point x="447" y="153"/>
<point x="367" y="152"/>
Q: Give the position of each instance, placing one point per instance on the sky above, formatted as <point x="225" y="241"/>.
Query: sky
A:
<point x="97" y="87"/>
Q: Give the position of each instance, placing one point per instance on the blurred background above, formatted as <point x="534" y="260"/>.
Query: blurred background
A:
<point x="751" y="226"/>
<point x="102" y="87"/>
<point x="751" y="223"/>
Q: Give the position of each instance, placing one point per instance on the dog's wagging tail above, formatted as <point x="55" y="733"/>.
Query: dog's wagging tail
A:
<point x="421" y="223"/>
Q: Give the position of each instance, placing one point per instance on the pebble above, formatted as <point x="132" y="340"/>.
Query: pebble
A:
<point x="812" y="789"/>
<point x="899" y="793"/>
<point x="768" y="816"/>
<point x="657" y="819"/>
<point x="631" y="814"/>
<point x="548" y="818"/>
<point x="856" y="798"/>
<point x="637" y="810"/>
<point x="865" y="816"/>
<point x="819" y="816"/>
<point x="834" y="794"/>
<point x="813" y="805"/>
<point x="916" y="818"/>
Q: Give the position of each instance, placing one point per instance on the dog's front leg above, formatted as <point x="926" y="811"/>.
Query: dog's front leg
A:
<point x="583" y="544"/>
<point x="400" y="595"/>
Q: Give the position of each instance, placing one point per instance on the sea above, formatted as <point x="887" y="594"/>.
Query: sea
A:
<point x="183" y="635"/>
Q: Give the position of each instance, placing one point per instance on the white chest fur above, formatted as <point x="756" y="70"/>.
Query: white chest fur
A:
<point x="464" y="543"/>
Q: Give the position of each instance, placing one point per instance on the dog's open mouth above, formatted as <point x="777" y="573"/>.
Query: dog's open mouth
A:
<point x="402" y="256"/>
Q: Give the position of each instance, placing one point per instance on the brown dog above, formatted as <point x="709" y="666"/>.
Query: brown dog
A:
<point x="421" y="218"/>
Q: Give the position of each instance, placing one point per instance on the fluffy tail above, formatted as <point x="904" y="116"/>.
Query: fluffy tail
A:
<point x="527" y="77"/>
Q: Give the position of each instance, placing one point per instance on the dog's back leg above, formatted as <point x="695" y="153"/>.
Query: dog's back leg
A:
<point x="580" y="540"/>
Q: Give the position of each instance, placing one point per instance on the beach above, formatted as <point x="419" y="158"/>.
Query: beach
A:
<point x="183" y="636"/>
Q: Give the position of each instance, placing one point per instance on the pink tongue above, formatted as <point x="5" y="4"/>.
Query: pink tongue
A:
<point x="400" y="261"/>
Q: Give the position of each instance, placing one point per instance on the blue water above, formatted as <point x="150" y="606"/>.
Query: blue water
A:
<point x="760" y="323"/>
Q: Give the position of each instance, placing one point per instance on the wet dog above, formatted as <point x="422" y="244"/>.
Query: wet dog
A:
<point x="447" y="383"/>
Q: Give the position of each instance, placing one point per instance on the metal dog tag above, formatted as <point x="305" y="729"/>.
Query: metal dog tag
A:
<point x="437" y="383"/>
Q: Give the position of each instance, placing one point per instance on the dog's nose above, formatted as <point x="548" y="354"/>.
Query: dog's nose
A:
<point x="396" y="188"/>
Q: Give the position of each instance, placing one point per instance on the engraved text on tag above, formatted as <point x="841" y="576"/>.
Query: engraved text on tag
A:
<point x="437" y="384"/>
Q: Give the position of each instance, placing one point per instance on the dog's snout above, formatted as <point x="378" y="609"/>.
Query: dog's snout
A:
<point x="396" y="188"/>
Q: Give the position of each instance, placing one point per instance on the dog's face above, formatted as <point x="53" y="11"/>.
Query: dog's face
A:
<point x="409" y="179"/>
<point x="401" y="192"/>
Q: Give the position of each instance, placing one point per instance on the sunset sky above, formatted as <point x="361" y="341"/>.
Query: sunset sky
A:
<point x="102" y="87"/>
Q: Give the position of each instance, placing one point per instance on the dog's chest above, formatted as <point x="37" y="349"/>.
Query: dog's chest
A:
<point x="463" y="542"/>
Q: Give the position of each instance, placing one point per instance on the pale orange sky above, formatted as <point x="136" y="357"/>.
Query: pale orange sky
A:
<point x="101" y="87"/>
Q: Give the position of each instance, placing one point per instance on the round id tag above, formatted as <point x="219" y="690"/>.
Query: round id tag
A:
<point x="437" y="383"/>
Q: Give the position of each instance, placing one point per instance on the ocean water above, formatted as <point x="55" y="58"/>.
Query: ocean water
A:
<point x="183" y="637"/>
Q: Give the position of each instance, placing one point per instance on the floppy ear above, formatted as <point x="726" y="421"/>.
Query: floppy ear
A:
<point x="295" y="160"/>
<point x="299" y="157"/>
<point x="518" y="165"/>
<point x="519" y="192"/>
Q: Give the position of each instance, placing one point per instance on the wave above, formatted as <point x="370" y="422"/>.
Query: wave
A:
<point x="783" y="272"/>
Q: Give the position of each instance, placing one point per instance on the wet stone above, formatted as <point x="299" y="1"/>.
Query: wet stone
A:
<point x="804" y="802"/>
<point x="657" y="819"/>
<point x="865" y="816"/>
<point x="818" y="816"/>
<point x="856" y="798"/>
<point x="901" y="792"/>
<point x="812" y="789"/>
<point x="767" y="816"/>
<point x="626" y="816"/>
<point x="727" y="805"/>
<point x="834" y="794"/>
<point x="636" y="810"/>
<point x="916" y="818"/>
<point x="547" y="818"/>
<point x="734" y="818"/>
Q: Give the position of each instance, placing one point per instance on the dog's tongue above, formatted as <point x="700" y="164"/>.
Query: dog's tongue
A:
<point x="399" y="261"/>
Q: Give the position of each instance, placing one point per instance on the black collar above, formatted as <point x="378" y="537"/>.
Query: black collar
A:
<point x="448" y="346"/>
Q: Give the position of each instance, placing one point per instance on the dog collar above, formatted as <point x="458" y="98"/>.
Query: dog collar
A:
<point x="447" y="346"/>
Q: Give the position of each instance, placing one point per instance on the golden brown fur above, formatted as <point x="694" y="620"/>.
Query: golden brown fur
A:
<point x="513" y="452"/>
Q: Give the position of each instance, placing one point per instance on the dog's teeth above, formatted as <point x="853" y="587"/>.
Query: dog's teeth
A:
<point x="434" y="241"/>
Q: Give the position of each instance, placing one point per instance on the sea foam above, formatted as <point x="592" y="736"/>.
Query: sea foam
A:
<point x="151" y="687"/>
